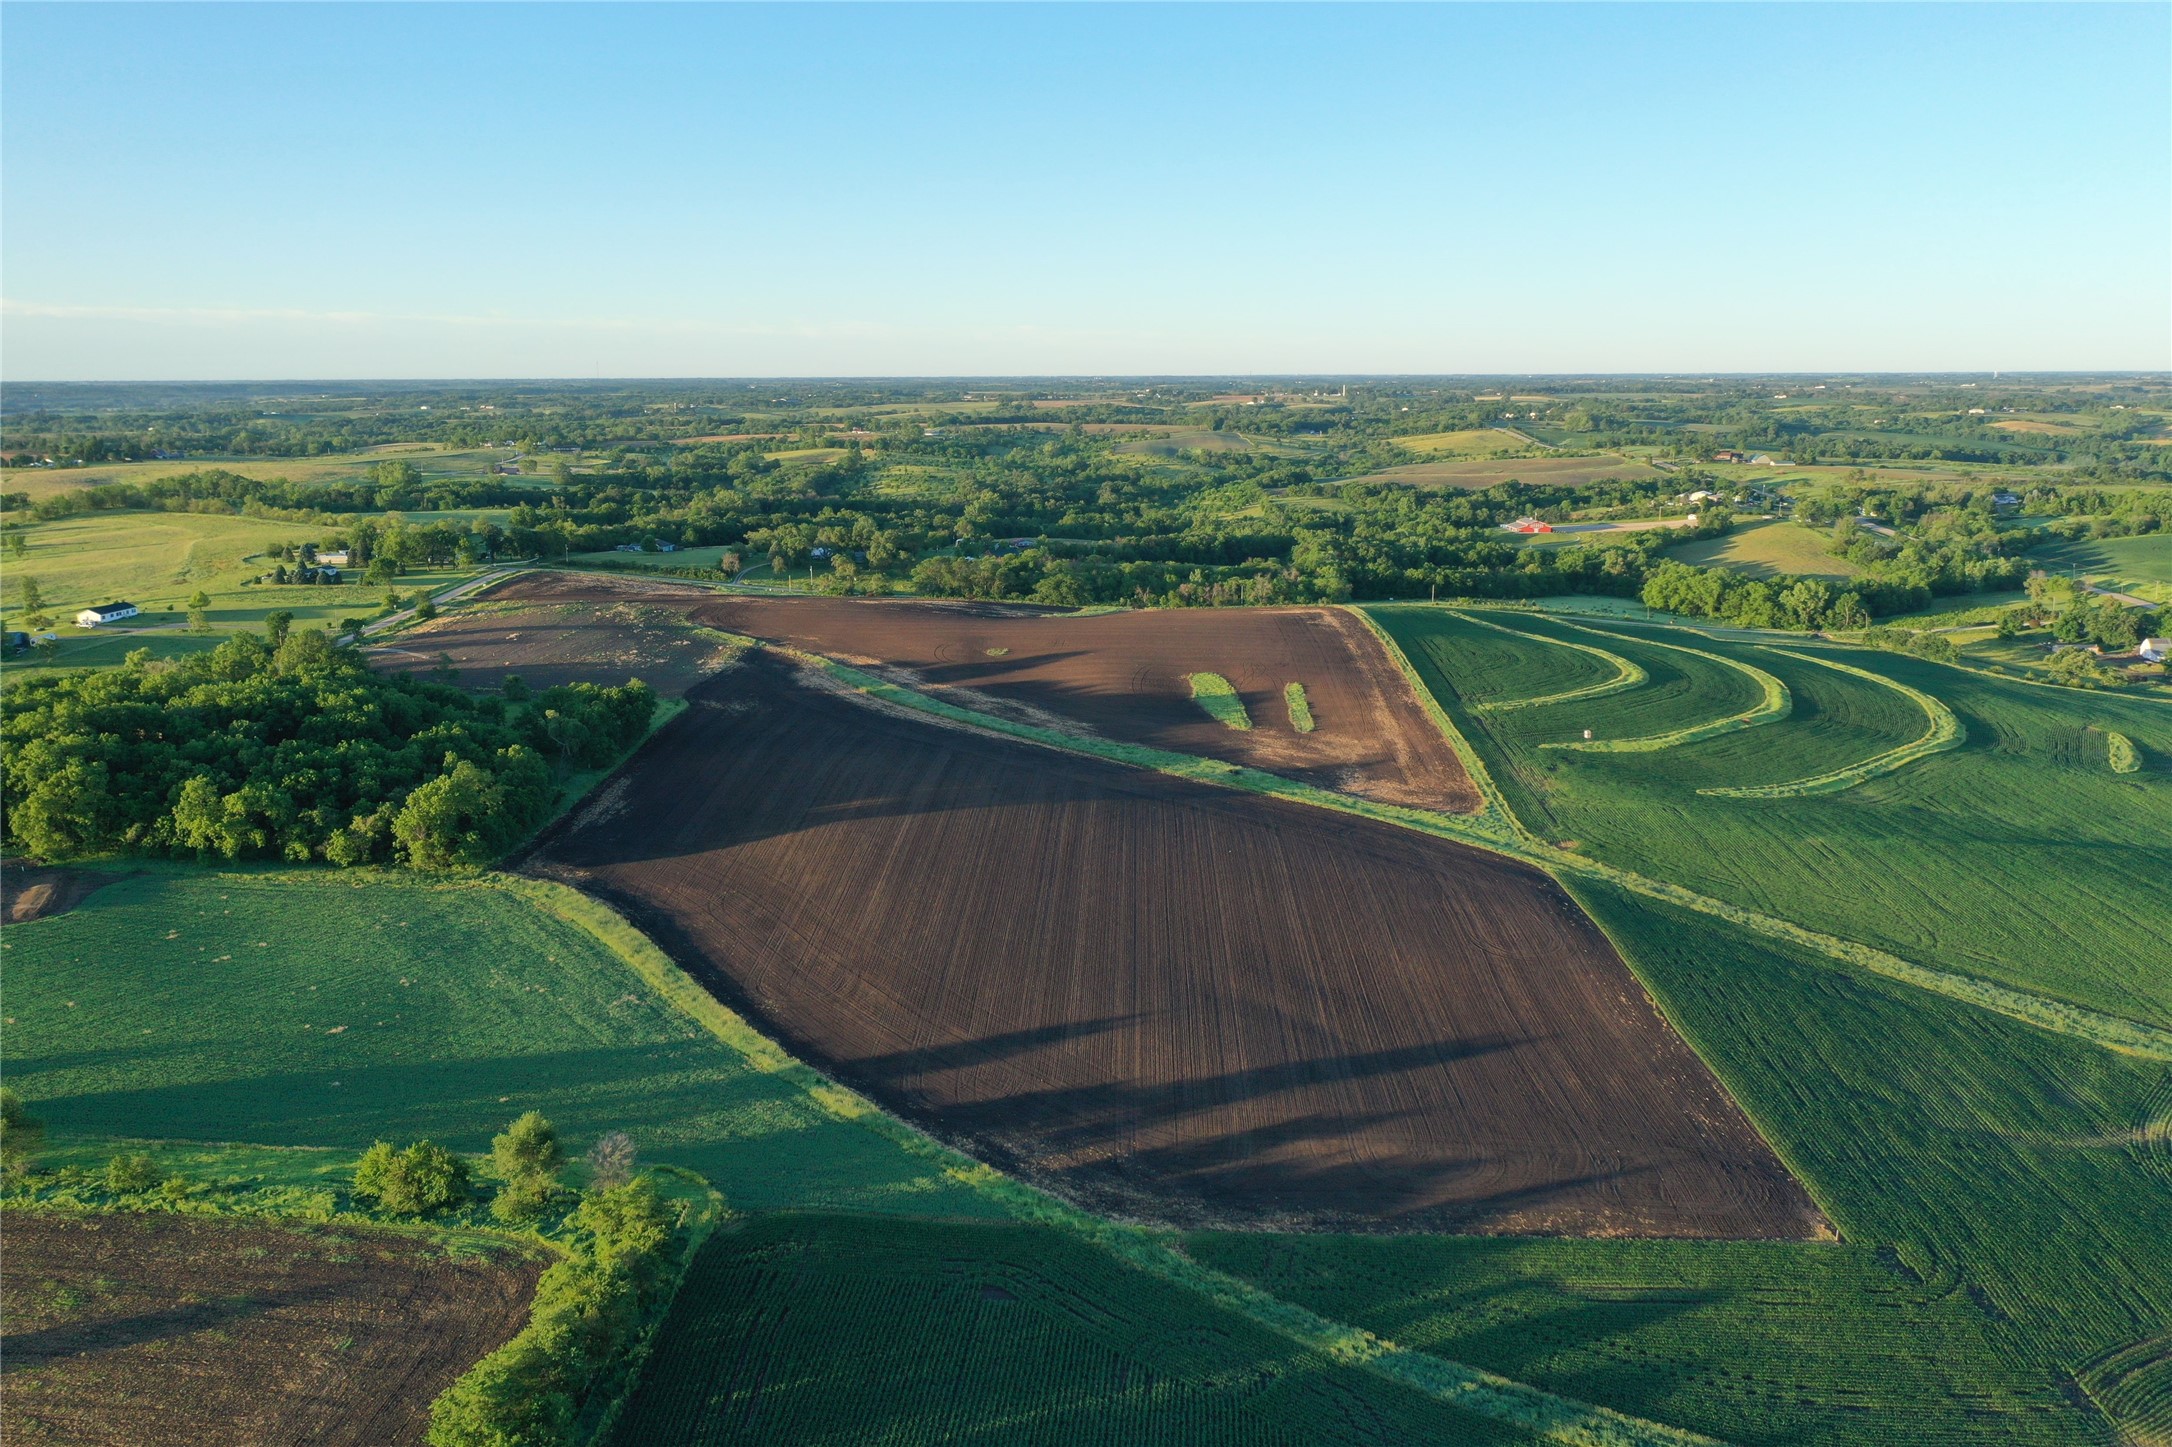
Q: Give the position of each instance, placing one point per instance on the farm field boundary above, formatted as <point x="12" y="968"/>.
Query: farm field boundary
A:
<point x="1944" y="733"/>
<point x="1494" y="828"/>
<point x="1627" y="674"/>
<point x="2111" y="1031"/>
<point x="1484" y="1393"/>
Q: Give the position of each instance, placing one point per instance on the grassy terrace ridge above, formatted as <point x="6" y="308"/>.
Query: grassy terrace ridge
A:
<point x="1626" y="675"/>
<point x="1945" y="732"/>
<point x="1219" y="698"/>
<point x="1774" y="702"/>
<point x="1293" y="696"/>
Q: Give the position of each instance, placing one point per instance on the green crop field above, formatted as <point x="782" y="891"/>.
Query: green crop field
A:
<point x="2000" y="1192"/>
<point x="2017" y="857"/>
<point x="312" y="1009"/>
<point x="1763" y="549"/>
<point x="819" y="1329"/>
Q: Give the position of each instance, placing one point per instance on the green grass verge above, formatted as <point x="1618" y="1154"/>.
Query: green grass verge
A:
<point x="1293" y="695"/>
<point x="1945" y="732"/>
<point x="1218" y="697"/>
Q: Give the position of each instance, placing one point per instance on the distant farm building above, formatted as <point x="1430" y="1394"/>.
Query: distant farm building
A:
<point x="2156" y="650"/>
<point x="337" y="558"/>
<point x="1527" y="525"/>
<point x="1728" y="454"/>
<point x="2005" y="499"/>
<point x="105" y="613"/>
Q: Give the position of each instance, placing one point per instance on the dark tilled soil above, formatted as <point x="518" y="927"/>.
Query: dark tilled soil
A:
<point x="1164" y="1000"/>
<point x="149" y="1330"/>
<point x="553" y="628"/>
<point x="1124" y="675"/>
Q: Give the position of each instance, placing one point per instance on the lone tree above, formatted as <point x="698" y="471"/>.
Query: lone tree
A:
<point x="199" y="612"/>
<point x="527" y="1158"/>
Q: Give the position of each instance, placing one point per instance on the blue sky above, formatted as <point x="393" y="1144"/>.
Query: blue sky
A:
<point x="630" y="190"/>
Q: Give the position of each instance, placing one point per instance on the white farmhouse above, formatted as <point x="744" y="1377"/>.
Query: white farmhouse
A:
<point x="105" y="613"/>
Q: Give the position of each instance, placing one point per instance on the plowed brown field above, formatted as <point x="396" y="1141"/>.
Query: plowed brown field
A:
<point x="552" y="628"/>
<point x="1162" y="999"/>
<point x="1123" y="675"/>
<point x="145" y="1330"/>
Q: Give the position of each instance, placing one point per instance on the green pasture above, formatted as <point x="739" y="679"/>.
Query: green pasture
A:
<point x="1765" y="549"/>
<point x="2017" y="857"/>
<point x="824" y="1329"/>
<point x="314" y="1009"/>
<point x="158" y="560"/>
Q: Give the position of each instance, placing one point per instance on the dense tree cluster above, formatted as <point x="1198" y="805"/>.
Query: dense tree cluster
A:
<point x="294" y="752"/>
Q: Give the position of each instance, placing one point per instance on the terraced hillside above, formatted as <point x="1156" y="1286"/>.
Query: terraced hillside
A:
<point x="1175" y="1002"/>
<point x="2017" y="856"/>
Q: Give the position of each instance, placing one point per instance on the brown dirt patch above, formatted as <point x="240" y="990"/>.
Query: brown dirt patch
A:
<point x="29" y="892"/>
<point x="140" y="1331"/>
<point x="553" y="628"/>
<point x="1165" y="1000"/>
<point x="1123" y="675"/>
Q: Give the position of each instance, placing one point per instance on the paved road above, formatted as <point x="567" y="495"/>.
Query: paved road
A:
<point x="2127" y="598"/>
<point x="453" y="594"/>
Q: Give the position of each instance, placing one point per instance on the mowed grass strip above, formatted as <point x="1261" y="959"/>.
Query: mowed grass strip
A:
<point x="1218" y="697"/>
<point x="1300" y="708"/>
<point x="1774" y="703"/>
<point x="1945" y="732"/>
